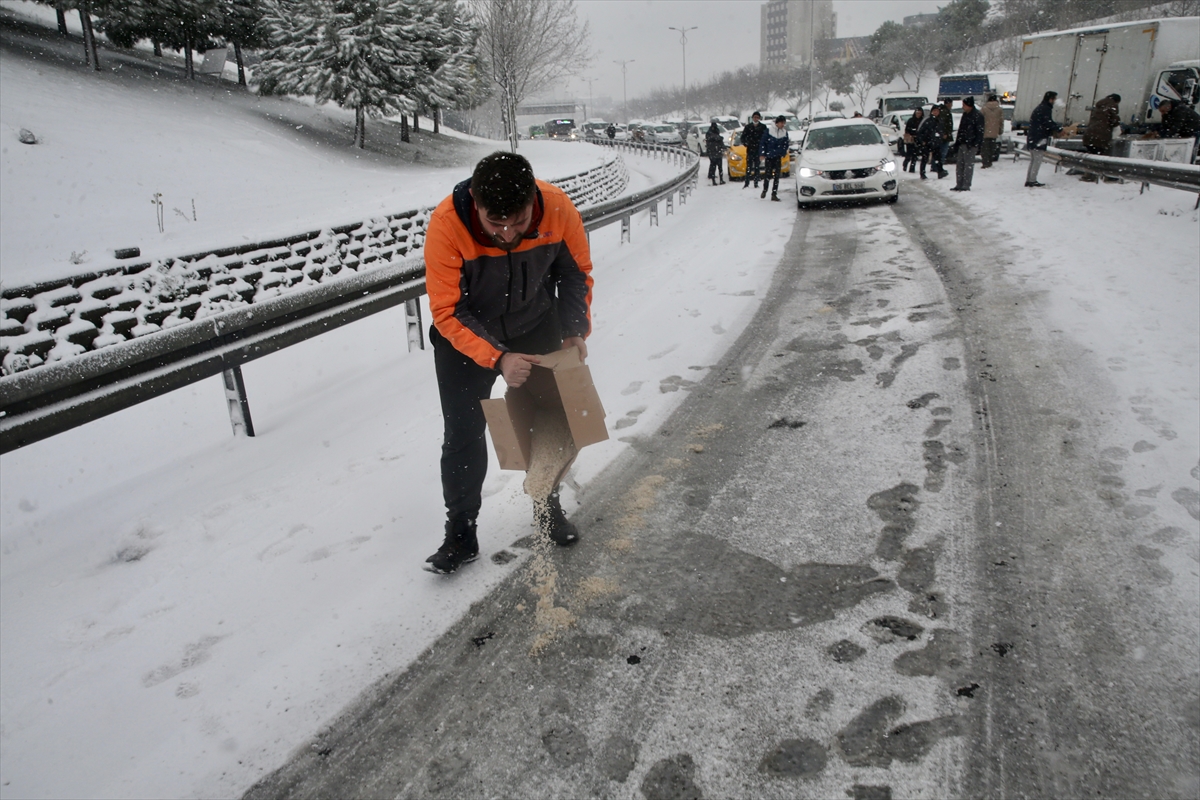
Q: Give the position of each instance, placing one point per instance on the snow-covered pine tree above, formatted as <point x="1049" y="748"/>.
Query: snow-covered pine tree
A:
<point x="187" y="25"/>
<point x="361" y="54"/>
<point x="450" y="75"/>
<point x="243" y="27"/>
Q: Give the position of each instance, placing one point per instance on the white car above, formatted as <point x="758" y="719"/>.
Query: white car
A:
<point x="663" y="134"/>
<point x="825" y="116"/>
<point x="892" y="126"/>
<point x="845" y="159"/>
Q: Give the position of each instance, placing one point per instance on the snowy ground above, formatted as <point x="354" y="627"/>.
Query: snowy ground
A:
<point x="179" y="609"/>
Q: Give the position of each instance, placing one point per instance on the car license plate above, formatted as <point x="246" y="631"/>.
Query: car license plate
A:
<point x="844" y="187"/>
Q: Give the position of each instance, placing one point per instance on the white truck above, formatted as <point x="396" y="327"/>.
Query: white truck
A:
<point x="896" y="101"/>
<point x="1144" y="62"/>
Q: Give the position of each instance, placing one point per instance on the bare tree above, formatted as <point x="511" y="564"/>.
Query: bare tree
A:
<point x="527" y="45"/>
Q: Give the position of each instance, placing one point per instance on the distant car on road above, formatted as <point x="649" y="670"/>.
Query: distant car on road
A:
<point x="663" y="134"/>
<point x="825" y="116"/>
<point x="845" y="159"/>
<point x="892" y="126"/>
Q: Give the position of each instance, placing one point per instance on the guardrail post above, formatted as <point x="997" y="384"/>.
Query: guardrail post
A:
<point x="671" y="204"/>
<point x="239" y="404"/>
<point x="412" y="321"/>
<point x="654" y="213"/>
<point x="625" y="237"/>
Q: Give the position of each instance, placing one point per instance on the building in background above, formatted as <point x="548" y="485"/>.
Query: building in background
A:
<point x="919" y="19"/>
<point x="842" y="49"/>
<point x="788" y="29"/>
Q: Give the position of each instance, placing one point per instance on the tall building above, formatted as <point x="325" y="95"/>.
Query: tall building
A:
<point x="789" y="28"/>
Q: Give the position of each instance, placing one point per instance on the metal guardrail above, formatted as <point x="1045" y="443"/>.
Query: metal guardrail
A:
<point x="1159" y="173"/>
<point x="36" y="404"/>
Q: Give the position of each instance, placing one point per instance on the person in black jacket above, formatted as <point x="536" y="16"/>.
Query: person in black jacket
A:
<point x="1179" y="120"/>
<point x="714" y="146"/>
<point x="1041" y="127"/>
<point x="774" y="148"/>
<point x="909" y="142"/>
<point x="970" y="137"/>
<point x="752" y="136"/>
<point x="929" y="142"/>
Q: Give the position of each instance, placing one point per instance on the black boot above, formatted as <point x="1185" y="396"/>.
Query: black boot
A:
<point x="460" y="547"/>
<point x="552" y="522"/>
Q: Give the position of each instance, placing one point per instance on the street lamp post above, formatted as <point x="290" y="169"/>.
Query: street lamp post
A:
<point x="624" y="93"/>
<point x="589" y="81"/>
<point x="683" y="32"/>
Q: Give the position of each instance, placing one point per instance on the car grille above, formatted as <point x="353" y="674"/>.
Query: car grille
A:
<point x="842" y="174"/>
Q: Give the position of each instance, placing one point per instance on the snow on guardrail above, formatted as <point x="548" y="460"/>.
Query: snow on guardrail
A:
<point x="56" y="321"/>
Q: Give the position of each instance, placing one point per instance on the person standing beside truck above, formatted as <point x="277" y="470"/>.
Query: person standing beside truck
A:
<point x="752" y="136"/>
<point x="1041" y="127"/>
<point x="1179" y="120"/>
<point x="1097" y="136"/>
<point x="946" y="118"/>
<point x="993" y="127"/>
<point x="970" y="137"/>
<point x="508" y="273"/>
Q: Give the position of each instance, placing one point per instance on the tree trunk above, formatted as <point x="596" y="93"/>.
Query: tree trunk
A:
<point x="437" y="113"/>
<point x="237" y="53"/>
<point x="360" y="128"/>
<point x="91" y="56"/>
<point x="416" y="122"/>
<point x="404" y="128"/>
<point x="158" y="49"/>
<point x="189" y="61"/>
<point x="62" y="19"/>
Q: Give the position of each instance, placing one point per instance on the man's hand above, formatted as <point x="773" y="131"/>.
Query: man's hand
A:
<point x="576" y="341"/>
<point x="515" y="367"/>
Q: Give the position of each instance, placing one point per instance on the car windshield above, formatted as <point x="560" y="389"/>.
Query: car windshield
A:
<point x="842" y="136"/>
<point x="664" y="128"/>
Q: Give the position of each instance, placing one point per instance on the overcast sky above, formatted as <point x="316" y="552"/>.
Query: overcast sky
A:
<point x="726" y="38"/>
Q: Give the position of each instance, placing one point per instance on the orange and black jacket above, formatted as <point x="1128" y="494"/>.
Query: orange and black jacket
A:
<point x="482" y="296"/>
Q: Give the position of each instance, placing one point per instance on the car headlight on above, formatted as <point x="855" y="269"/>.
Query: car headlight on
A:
<point x="807" y="172"/>
<point x="887" y="165"/>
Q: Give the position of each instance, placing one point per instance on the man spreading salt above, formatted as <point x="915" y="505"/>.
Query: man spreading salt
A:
<point x="508" y="271"/>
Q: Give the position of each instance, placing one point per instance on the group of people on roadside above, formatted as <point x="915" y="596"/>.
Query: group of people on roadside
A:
<point x="768" y="142"/>
<point x="930" y="139"/>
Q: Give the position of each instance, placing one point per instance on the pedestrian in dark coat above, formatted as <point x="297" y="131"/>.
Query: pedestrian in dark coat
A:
<point x="714" y="146"/>
<point x="1180" y="121"/>
<point x="752" y="136"/>
<point x="929" y="140"/>
<point x="1097" y="136"/>
<point x="774" y="148"/>
<point x="968" y="141"/>
<point x="912" y="150"/>
<point x="1041" y="127"/>
<point x="1106" y="115"/>
<point x="993" y="127"/>
<point x="611" y="130"/>
<point x="947" y="120"/>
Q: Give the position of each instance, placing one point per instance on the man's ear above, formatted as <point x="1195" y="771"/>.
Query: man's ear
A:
<point x="471" y="192"/>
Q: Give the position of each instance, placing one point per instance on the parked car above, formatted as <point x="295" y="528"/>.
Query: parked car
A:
<point x="825" y="116"/>
<point x="843" y="160"/>
<point x="537" y="131"/>
<point x="892" y="126"/>
<point x="735" y="158"/>
<point x="727" y="123"/>
<point x="694" y="140"/>
<point x="663" y="134"/>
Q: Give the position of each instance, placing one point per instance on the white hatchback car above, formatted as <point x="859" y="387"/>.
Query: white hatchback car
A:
<point x="845" y="159"/>
<point x="663" y="134"/>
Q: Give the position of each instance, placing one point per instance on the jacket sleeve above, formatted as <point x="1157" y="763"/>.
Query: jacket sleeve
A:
<point x="572" y="272"/>
<point x="443" y="283"/>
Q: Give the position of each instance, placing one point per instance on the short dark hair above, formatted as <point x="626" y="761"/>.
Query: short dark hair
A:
<point x="756" y="114"/>
<point x="781" y="118"/>
<point x="1049" y="97"/>
<point x="502" y="183"/>
<point x="992" y="97"/>
<point x="969" y="101"/>
<point x="1115" y="97"/>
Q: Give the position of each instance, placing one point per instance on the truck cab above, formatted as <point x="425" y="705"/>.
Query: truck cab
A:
<point x="1179" y="82"/>
<point x="897" y="101"/>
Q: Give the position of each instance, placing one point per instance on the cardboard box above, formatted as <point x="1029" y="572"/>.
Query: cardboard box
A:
<point x="561" y="381"/>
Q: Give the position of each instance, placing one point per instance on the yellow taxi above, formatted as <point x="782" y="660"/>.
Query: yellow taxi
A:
<point x="735" y="158"/>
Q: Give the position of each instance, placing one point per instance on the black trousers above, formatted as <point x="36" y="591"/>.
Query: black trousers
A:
<point x="461" y="385"/>
<point x="774" y="168"/>
<point x="714" y="168"/>
<point x="753" y="169"/>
